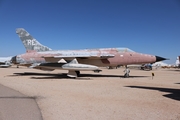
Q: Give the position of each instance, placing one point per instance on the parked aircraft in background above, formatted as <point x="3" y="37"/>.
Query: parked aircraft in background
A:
<point x="178" y="62"/>
<point x="160" y="64"/>
<point x="41" y="57"/>
<point x="5" y="62"/>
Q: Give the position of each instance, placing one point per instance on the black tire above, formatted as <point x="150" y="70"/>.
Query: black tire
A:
<point x="78" y="73"/>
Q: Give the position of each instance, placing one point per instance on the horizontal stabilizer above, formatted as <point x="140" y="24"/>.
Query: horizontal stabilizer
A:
<point x="4" y="66"/>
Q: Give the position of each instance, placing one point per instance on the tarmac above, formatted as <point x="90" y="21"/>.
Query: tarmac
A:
<point x="29" y="94"/>
<point x="16" y="106"/>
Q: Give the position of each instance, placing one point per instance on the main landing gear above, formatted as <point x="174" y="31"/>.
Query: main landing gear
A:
<point x="126" y="72"/>
<point x="73" y="74"/>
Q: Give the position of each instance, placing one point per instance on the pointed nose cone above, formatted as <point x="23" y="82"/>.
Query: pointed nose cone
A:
<point x="160" y="59"/>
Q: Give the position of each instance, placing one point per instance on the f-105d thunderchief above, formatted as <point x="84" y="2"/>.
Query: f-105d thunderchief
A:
<point x="41" y="57"/>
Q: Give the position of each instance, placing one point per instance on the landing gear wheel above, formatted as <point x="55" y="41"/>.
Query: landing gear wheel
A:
<point x="78" y="73"/>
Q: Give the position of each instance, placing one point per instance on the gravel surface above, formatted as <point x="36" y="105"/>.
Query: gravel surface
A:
<point x="99" y="96"/>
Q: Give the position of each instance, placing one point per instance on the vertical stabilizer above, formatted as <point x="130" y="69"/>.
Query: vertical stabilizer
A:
<point x="30" y="44"/>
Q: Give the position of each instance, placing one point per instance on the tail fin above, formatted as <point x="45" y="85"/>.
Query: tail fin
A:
<point x="30" y="44"/>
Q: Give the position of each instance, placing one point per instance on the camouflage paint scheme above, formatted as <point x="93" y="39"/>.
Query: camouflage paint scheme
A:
<point x="115" y="56"/>
<point x="38" y="53"/>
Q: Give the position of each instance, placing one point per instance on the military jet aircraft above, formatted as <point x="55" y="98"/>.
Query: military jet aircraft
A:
<point x="5" y="62"/>
<point x="41" y="57"/>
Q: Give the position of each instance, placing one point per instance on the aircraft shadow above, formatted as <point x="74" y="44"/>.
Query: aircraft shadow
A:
<point x="100" y="75"/>
<point x="64" y="75"/>
<point x="48" y="75"/>
<point x="17" y="97"/>
<point x="177" y="70"/>
<point x="174" y="93"/>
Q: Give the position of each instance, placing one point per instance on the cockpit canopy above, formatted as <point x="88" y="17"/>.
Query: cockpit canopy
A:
<point x="124" y="50"/>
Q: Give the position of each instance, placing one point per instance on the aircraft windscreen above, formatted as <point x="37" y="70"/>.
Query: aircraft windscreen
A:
<point x="124" y="50"/>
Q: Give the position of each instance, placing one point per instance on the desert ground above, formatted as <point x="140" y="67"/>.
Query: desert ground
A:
<point x="93" y="96"/>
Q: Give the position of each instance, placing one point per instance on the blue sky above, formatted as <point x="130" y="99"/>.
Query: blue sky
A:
<point x="146" y="26"/>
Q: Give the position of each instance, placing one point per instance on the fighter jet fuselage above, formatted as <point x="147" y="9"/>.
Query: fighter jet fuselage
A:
<point x="97" y="57"/>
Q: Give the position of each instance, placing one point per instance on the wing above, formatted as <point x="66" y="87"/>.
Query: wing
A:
<point x="71" y="57"/>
